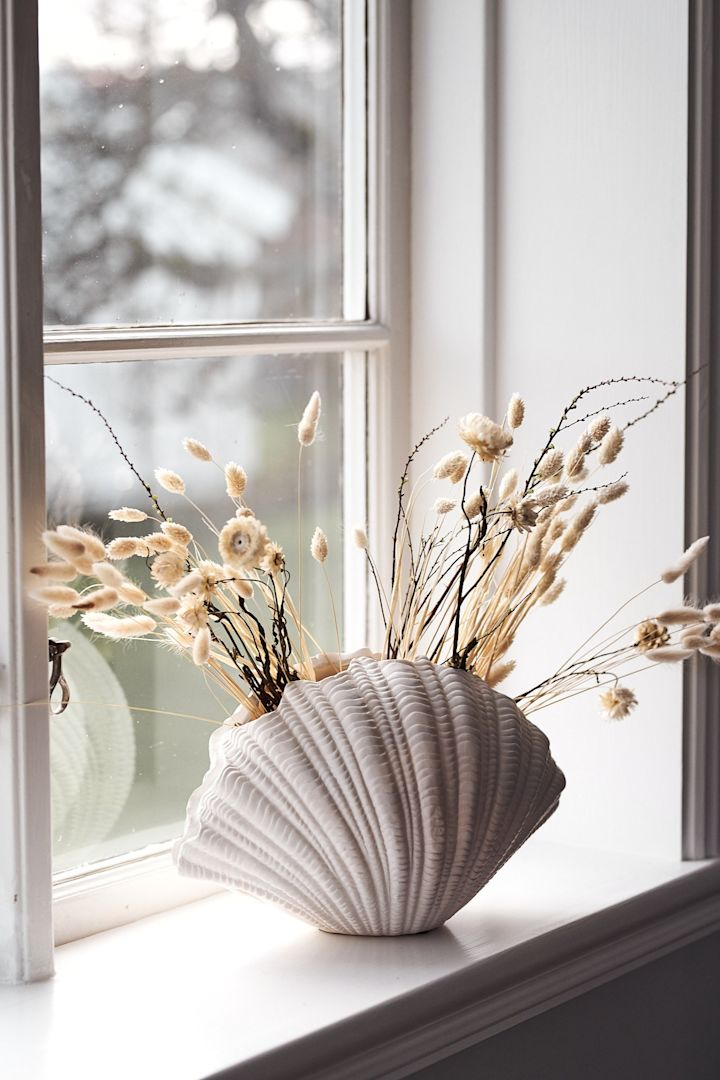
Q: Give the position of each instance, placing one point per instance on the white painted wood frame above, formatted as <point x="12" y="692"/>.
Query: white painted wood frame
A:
<point x="130" y="885"/>
<point x="25" y="837"/>
<point x="389" y="274"/>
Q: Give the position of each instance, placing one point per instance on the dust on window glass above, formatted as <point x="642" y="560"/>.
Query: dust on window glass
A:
<point x="191" y="160"/>
<point x="124" y="759"/>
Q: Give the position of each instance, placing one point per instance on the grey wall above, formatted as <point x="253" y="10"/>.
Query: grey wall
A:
<point x="661" y="1022"/>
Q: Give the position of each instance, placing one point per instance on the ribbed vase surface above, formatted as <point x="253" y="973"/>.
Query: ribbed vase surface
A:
<point x="377" y="801"/>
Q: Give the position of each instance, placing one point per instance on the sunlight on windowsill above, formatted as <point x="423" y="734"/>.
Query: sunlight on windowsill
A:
<point x="213" y="985"/>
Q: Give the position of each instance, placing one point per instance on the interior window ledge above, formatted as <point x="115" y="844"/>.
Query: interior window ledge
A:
<point x="117" y="891"/>
<point x="229" y="988"/>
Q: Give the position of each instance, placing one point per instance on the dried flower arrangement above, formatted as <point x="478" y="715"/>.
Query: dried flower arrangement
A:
<point x="458" y="592"/>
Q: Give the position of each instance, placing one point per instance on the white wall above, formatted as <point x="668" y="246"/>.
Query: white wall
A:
<point x="588" y="280"/>
<point x="450" y="307"/>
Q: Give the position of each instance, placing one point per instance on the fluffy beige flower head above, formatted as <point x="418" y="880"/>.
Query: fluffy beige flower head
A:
<point x="170" y="480"/>
<point x="319" y="546"/>
<point x="484" y="436"/>
<point x="131" y="593"/>
<point x="610" y="446"/>
<point x="167" y="569"/>
<point x="618" y="702"/>
<point x="55" y="571"/>
<point x="360" y="538"/>
<point x="452" y="467"/>
<point x="193" y="613"/>
<point x="551" y="465"/>
<point x="108" y="574"/>
<point x="474" y="505"/>
<point x="122" y="547"/>
<point x="548" y="496"/>
<point x="201" y="647"/>
<point x="273" y="560"/>
<point x="685" y="561"/>
<point x="110" y="626"/>
<point x="157" y="543"/>
<point x="508" y="484"/>
<point x="93" y="546"/>
<point x="516" y="411"/>
<point x="70" y="550"/>
<point x="127" y="513"/>
<point x="242" y="542"/>
<point x="499" y="671"/>
<point x="575" y="462"/>
<point x="600" y="427"/>
<point x="523" y="513"/>
<point x="177" y="532"/>
<point x="187" y="584"/>
<point x="211" y="574"/>
<point x="612" y="492"/>
<point x="444" y="506"/>
<point x="162" y="605"/>
<point x="197" y="449"/>
<point x="242" y="585"/>
<point x="307" y="428"/>
<point x="98" y="599"/>
<point x="235" y="480"/>
<point x="650" y="634"/>
<point x="553" y="593"/>
<point x="56" y="594"/>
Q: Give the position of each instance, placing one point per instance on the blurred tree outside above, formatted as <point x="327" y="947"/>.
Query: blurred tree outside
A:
<point x="191" y="160"/>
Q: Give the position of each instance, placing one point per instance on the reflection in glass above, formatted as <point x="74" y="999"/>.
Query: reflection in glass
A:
<point x="191" y="159"/>
<point x="121" y="775"/>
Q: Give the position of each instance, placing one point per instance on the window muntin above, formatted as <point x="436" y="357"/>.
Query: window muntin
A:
<point x="191" y="160"/>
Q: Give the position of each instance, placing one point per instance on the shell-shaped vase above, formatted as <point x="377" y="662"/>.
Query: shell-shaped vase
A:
<point x="377" y="801"/>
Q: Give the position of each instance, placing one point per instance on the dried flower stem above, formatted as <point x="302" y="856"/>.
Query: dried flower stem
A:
<point x="73" y="393"/>
<point x="611" y="617"/>
<point x="145" y="709"/>
<point x="333" y="608"/>
<point x="401" y="489"/>
<point x="458" y="594"/>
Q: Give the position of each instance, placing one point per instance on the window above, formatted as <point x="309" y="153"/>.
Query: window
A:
<point x="209" y="172"/>
<point x="196" y="179"/>
<point x="509" y="272"/>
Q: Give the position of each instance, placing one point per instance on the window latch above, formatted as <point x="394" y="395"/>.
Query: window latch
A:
<point x="55" y="655"/>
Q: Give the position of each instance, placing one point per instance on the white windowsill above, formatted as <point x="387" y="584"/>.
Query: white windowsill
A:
<point x="227" y="986"/>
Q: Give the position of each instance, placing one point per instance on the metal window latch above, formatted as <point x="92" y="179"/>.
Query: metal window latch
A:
<point x="55" y="655"/>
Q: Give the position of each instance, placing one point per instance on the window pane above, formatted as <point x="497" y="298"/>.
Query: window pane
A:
<point x="121" y="776"/>
<point x="191" y="158"/>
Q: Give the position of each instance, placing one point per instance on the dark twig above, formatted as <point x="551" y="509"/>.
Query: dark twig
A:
<point x="466" y="559"/>
<point x="562" y="424"/>
<point x="150" y="493"/>
<point x="401" y="489"/>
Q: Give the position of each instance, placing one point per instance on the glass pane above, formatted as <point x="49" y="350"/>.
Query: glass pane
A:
<point x="121" y="775"/>
<point x="191" y="159"/>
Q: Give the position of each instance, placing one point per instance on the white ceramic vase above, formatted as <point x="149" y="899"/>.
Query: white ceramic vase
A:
<point x="377" y="801"/>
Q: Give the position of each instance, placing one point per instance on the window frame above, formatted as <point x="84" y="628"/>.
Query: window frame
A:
<point x="25" y="840"/>
<point x="375" y="306"/>
<point x="24" y="910"/>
